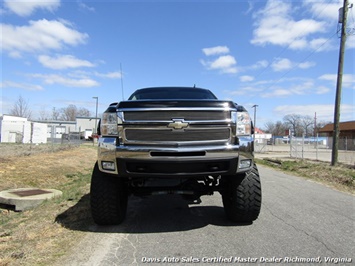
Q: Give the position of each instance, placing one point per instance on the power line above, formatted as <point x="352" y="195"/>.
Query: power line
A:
<point x="288" y="46"/>
<point x="304" y="59"/>
<point x="292" y="69"/>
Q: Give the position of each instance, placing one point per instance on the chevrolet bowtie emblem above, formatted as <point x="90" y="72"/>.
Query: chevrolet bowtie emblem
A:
<point x="178" y="124"/>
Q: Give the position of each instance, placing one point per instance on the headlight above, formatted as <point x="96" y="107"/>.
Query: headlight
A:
<point x="109" y="123"/>
<point x="243" y="123"/>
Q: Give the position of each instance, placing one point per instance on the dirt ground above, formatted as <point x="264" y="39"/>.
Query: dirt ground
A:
<point x="42" y="166"/>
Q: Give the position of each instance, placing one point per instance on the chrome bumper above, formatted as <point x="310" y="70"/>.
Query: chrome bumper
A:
<point x="116" y="155"/>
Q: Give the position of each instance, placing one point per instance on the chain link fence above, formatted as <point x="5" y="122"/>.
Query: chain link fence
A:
<point x="306" y="148"/>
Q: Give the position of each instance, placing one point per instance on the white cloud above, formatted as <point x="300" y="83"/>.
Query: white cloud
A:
<point x="215" y="50"/>
<point x="250" y="8"/>
<point x="249" y="90"/>
<point x="330" y="77"/>
<point x="63" y="62"/>
<point x="307" y="87"/>
<point x="246" y="78"/>
<point x="350" y="41"/>
<point x="348" y="79"/>
<point x="324" y="111"/>
<point x="80" y="74"/>
<point x="277" y="93"/>
<point x="255" y="66"/>
<point x="24" y="86"/>
<point x="111" y="75"/>
<point x="283" y="64"/>
<point x="39" y="35"/>
<point x="260" y="64"/>
<point x="25" y="8"/>
<point x="325" y="10"/>
<point x="65" y="81"/>
<point x="85" y="7"/>
<point x="224" y="63"/>
<point x="281" y="88"/>
<point x="306" y="65"/>
<point x="321" y="90"/>
<point x="321" y="44"/>
<point x="274" y="25"/>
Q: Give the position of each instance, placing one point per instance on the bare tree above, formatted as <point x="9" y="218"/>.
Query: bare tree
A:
<point x="293" y="121"/>
<point x="307" y="124"/>
<point x="280" y="129"/>
<point x="71" y="112"/>
<point x="321" y="124"/>
<point x="55" y="114"/>
<point x="43" y="114"/>
<point x="269" y="127"/>
<point x="21" y="108"/>
<point x="276" y="129"/>
<point x="297" y="123"/>
<point x="83" y="112"/>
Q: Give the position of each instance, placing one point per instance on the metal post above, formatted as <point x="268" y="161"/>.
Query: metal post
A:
<point x="302" y="146"/>
<point x="339" y="83"/>
<point x="317" y="148"/>
<point x="291" y="142"/>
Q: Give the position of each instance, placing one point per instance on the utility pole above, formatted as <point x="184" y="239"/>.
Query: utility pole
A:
<point x="335" y="146"/>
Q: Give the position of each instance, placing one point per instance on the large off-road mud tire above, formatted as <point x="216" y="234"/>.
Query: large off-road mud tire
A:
<point x="242" y="196"/>
<point x="108" y="198"/>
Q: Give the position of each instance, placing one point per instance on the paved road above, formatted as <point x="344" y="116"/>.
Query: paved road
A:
<point x="299" y="220"/>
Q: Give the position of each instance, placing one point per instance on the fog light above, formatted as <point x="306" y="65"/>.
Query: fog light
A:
<point x="245" y="164"/>
<point x="108" y="166"/>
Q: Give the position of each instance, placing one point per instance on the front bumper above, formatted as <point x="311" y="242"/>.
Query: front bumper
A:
<point x="153" y="161"/>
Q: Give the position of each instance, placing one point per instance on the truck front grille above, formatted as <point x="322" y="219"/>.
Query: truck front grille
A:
<point x="169" y="135"/>
<point x="188" y="115"/>
<point x="176" y="127"/>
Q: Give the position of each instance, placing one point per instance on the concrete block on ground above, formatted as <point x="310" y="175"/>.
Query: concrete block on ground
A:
<point x="27" y="198"/>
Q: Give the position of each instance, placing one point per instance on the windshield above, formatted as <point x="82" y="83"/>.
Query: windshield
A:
<point x="172" y="94"/>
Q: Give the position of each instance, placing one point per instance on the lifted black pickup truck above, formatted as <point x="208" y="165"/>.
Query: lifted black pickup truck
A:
<point x="175" y="140"/>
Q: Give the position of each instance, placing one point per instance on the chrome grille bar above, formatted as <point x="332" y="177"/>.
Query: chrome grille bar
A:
<point x="168" y="135"/>
<point x="188" y="115"/>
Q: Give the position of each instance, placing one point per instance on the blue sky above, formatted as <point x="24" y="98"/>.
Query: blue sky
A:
<point x="280" y="55"/>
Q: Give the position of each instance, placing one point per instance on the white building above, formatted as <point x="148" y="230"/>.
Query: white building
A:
<point x="86" y="126"/>
<point x="82" y="126"/>
<point x="56" y="129"/>
<point x="16" y="129"/>
<point x="261" y="137"/>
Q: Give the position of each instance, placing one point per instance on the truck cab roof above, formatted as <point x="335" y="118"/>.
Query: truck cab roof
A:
<point x="172" y="93"/>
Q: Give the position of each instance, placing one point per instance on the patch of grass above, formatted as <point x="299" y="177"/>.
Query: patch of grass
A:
<point x="341" y="177"/>
<point x="39" y="236"/>
<point x="73" y="190"/>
